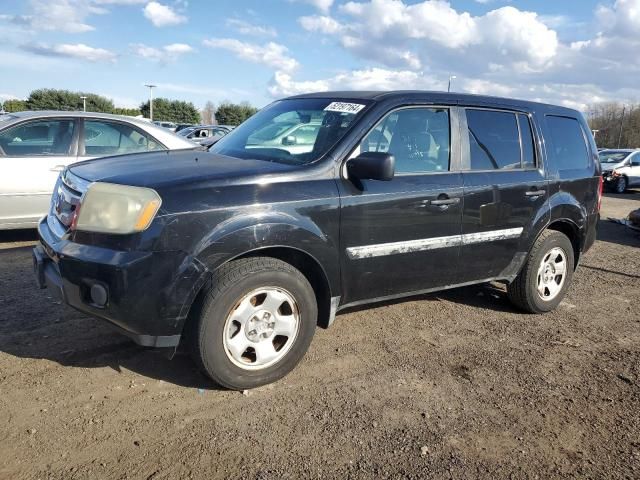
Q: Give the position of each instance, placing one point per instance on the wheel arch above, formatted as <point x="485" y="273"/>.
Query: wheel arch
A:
<point x="309" y="266"/>
<point x="572" y="231"/>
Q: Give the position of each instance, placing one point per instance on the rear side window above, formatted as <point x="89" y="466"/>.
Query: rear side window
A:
<point x="569" y="147"/>
<point x="494" y="140"/>
<point x="111" y="138"/>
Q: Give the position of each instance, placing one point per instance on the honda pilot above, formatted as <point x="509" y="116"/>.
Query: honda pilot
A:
<point x="241" y="251"/>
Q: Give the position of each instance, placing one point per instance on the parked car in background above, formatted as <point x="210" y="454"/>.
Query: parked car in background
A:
<point x="204" y="133"/>
<point x="295" y="136"/>
<point x="168" y="125"/>
<point x="245" y="249"/>
<point x="182" y="126"/>
<point x="36" y="146"/>
<point x="620" y="168"/>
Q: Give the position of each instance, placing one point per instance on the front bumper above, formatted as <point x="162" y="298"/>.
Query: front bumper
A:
<point x="145" y="295"/>
<point x="608" y="178"/>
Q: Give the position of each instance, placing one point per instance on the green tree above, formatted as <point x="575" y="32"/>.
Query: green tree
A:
<point x="11" y="106"/>
<point x="131" y="112"/>
<point x="234" y="114"/>
<point x="172" y="111"/>
<point x="52" y="99"/>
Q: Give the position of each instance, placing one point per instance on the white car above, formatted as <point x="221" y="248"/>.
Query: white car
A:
<point x="36" y="146"/>
<point x="620" y="169"/>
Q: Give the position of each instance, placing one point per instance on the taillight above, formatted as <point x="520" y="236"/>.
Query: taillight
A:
<point x="600" y="189"/>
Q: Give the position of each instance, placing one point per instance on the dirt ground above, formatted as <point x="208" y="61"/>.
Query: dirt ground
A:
<point x="449" y="385"/>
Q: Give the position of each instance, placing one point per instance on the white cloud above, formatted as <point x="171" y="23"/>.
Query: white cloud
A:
<point x="119" y="2"/>
<point x="322" y="24"/>
<point x="609" y="58"/>
<point x="163" y="54"/>
<point x="519" y="36"/>
<point x="577" y="96"/>
<point x="162" y="15"/>
<point x="322" y="5"/>
<point x="270" y="54"/>
<point x="246" y="28"/>
<point x="75" y="50"/>
<point x="513" y="36"/>
<point x="69" y="16"/>
<point x="283" y="84"/>
<point x="177" y="48"/>
<point x="623" y="18"/>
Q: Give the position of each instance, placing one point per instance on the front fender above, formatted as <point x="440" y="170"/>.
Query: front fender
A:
<point x="240" y="236"/>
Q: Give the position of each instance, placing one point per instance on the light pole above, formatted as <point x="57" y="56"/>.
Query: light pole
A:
<point x="84" y="104"/>
<point x="150" y="87"/>
<point x="451" y="77"/>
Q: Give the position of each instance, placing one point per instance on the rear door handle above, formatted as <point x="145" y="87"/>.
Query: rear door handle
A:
<point x="535" y="193"/>
<point x="445" y="201"/>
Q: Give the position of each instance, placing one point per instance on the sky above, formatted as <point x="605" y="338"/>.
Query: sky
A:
<point x="569" y="52"/>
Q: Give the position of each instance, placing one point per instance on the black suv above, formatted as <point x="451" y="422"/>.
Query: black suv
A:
<point x="241" y="251"/>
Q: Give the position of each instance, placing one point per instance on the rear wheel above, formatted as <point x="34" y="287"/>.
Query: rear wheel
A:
<point x="546" y="276"/>
<point x="255" y="323"/>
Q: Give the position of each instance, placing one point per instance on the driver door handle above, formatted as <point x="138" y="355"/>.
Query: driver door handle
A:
<point x="535" y="193"/>
<point x="445" y="201"/>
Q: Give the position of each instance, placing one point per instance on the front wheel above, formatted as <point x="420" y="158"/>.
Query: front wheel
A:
<point x="621" y="185"/>
<point x="546" y="275"/>
<point x="255" y="323"/>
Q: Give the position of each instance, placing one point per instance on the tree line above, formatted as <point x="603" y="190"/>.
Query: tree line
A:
<point x="616" y="125"/>
<point x="164" y="109"/>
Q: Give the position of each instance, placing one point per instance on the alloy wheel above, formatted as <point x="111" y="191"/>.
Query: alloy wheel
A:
<point x="552" y="273"/>
<point x="262" y="328"/>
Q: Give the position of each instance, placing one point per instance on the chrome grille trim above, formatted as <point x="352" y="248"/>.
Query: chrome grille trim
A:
<point x="74" y="182"/>
<point x="66" y="197"/>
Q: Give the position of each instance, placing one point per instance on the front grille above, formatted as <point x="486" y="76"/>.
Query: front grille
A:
<point x="66" y="201"/>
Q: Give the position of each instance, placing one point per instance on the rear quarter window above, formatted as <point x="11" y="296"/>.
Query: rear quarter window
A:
<point x="569" y="149"/>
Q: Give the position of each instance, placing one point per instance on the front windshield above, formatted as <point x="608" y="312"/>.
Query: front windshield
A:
<point x="296" y="131"/>
<point x="612" y="157"/>
<point x="186" y="131"/>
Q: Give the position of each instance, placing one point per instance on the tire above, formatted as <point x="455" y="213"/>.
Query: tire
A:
<point x="240" y="308"/>
<point x="539" y="288"/>
<point x="621" y="185"/>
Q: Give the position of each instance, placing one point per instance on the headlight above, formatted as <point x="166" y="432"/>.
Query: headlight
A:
<point x="111" y="208"/>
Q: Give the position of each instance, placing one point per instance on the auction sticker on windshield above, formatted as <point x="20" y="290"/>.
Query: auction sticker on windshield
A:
<point x="343" y="107"/>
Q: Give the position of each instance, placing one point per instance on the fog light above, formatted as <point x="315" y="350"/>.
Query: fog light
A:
<point x="99" y="295"/>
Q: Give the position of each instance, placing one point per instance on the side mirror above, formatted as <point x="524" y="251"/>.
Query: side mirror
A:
<point x="372" y="166"/>
<point x="289" y="140"/>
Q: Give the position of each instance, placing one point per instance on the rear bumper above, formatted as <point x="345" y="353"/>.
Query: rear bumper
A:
<point x="144" y="295"/>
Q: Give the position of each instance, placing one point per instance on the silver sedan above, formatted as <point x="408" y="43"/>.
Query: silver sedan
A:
<point x="36" y="146"/>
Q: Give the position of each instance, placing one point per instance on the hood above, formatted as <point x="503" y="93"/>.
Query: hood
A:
<point x="156" y="169"/>
<point x="607" y="167"/>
